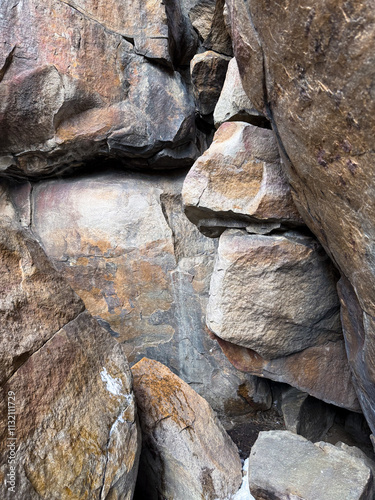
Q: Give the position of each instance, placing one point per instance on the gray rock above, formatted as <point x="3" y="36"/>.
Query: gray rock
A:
<point x="305" y="415"/>
<point x="284" y="466"/>
<point x="275" y="295"/>
<point x="233" y="103"/>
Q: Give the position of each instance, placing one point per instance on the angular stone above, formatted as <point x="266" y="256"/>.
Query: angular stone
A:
<point x="201" y="15"/>
<point x="305" y="415"/>
<point x="248" y="52"/>
<point x="319" y="65"/>
<point x="284" y="466"/>
<point x="275" y="295"/>
<point x="208" y="74"/>
<point x="321" y="371"/>
<point x="218" y="38"/>
<point x="75" y="428"/>
<point x="186" y="452"/>
<point x="56" y="111"/>
<point x="142" y="269"/>
<point x="233" y="103"/>
<point x="238" y="181"/>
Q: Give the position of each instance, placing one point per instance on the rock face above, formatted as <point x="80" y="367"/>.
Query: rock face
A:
<point x="273" y="294"/>
<point x="238" y="181"/>
<point x="233" y="103"/>
<point x="142" y="269"/>
<point x="186" y="453"/>
<point x="208" y="72"/>
<point x="284" y="466"/>
<point x="318" y="69"/>
<point x="75" y="429"/>
<point x="312" y="370"/>
<point x="56" y="111"/>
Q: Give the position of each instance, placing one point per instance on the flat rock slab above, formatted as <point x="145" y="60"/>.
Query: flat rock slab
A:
<point x="186" y="452"/>
<point x="284" y="466"/>
<point x="237" y="181"/>
<point x="275" y="295"/>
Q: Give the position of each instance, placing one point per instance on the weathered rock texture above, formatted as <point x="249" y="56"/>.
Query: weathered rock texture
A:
<point x="80" y="80"/>
<point x="233" y="103"/>
<point x="186" y="453"/>
<point x="284" y="466"/>
<point x="275" y="295"/>
<point x="142" y="269"/>
<point x="318" y="92"/>
<point x="75" y="430"/>
<point x="238" y="181"/>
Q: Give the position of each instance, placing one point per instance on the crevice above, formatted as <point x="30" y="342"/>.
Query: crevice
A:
<point x="7" y="63"/>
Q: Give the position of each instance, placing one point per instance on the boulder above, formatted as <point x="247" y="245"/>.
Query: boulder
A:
<point x="284" y="466"/>
<point x="318" y="69"/>
<point x="186" y="453"/>
<point x="67" y="382"/>
<point x="233" y="103"/>
<point x="207" y="75"/>
<point x="305" y="415"/>
<point x="72" y="94"/>
<point x="322" y="371"/>
<point x="275" y="295"/>
<point x="142" y="269"/>
<point x="239" y="181"/>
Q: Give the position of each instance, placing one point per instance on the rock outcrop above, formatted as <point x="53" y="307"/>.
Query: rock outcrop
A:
<point x="142" y="269"/>
<point x="69" y="384"/>
<point x="239" y="181"/>
<point x="186" y="453"/>
<point x="313" y="78"/>
<point x="286" y="466"/>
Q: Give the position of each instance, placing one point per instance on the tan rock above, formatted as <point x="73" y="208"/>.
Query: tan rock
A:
<point x="142" y="269"/>
<point x="275" y="295"/>
<point x="75" y="432"/>
<point x="322" y="371"/>
<point x="238" y="181"/>
<point x="208" y="74"/>
<point x="186" y="452"/>
<point x="319" y="65"/>
<point x="233" y="103"/>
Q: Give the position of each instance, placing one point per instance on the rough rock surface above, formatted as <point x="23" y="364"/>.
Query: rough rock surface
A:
<point x="75" y="429"/>
<point x="238" y="181"/>
<point x="322" y="371"/>
<point x="186" y="453"/>
<point x="233" y="103"/>
<point x="275" y="295"/>
<point x="208" y="72"/>
<point x="305" y="415"/>
<point x="74" y="88"/>
<point x="125" y="246"/>
<point x="319" y="68"/>
<point x="284" y="466"/>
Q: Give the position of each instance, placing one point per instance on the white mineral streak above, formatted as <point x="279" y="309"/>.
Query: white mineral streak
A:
<point x="114" y="385"/>
<point x="244" y="493"/>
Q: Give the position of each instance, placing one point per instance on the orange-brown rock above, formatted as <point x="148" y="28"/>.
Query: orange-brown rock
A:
<point x="186" y="453"/>
<point x="322" y="371"/>
<point x="318" y="72"/>
<point x="238" y="181"/>
<point x="77" y="83"/>
<point x="75" y="433"/>
<point x="142" y="269"/>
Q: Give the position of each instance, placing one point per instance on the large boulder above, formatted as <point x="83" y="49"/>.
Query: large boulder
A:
<point x="186" y="453"/>
<point x="319" y="65"/>
<point x="66" y="381"/>
<point x="284" y="466"/>
<point x="142" y="269"/>
<point x="275" y="294"/>
<point x="239" y="181"/>
<point x="77" y="83"/>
